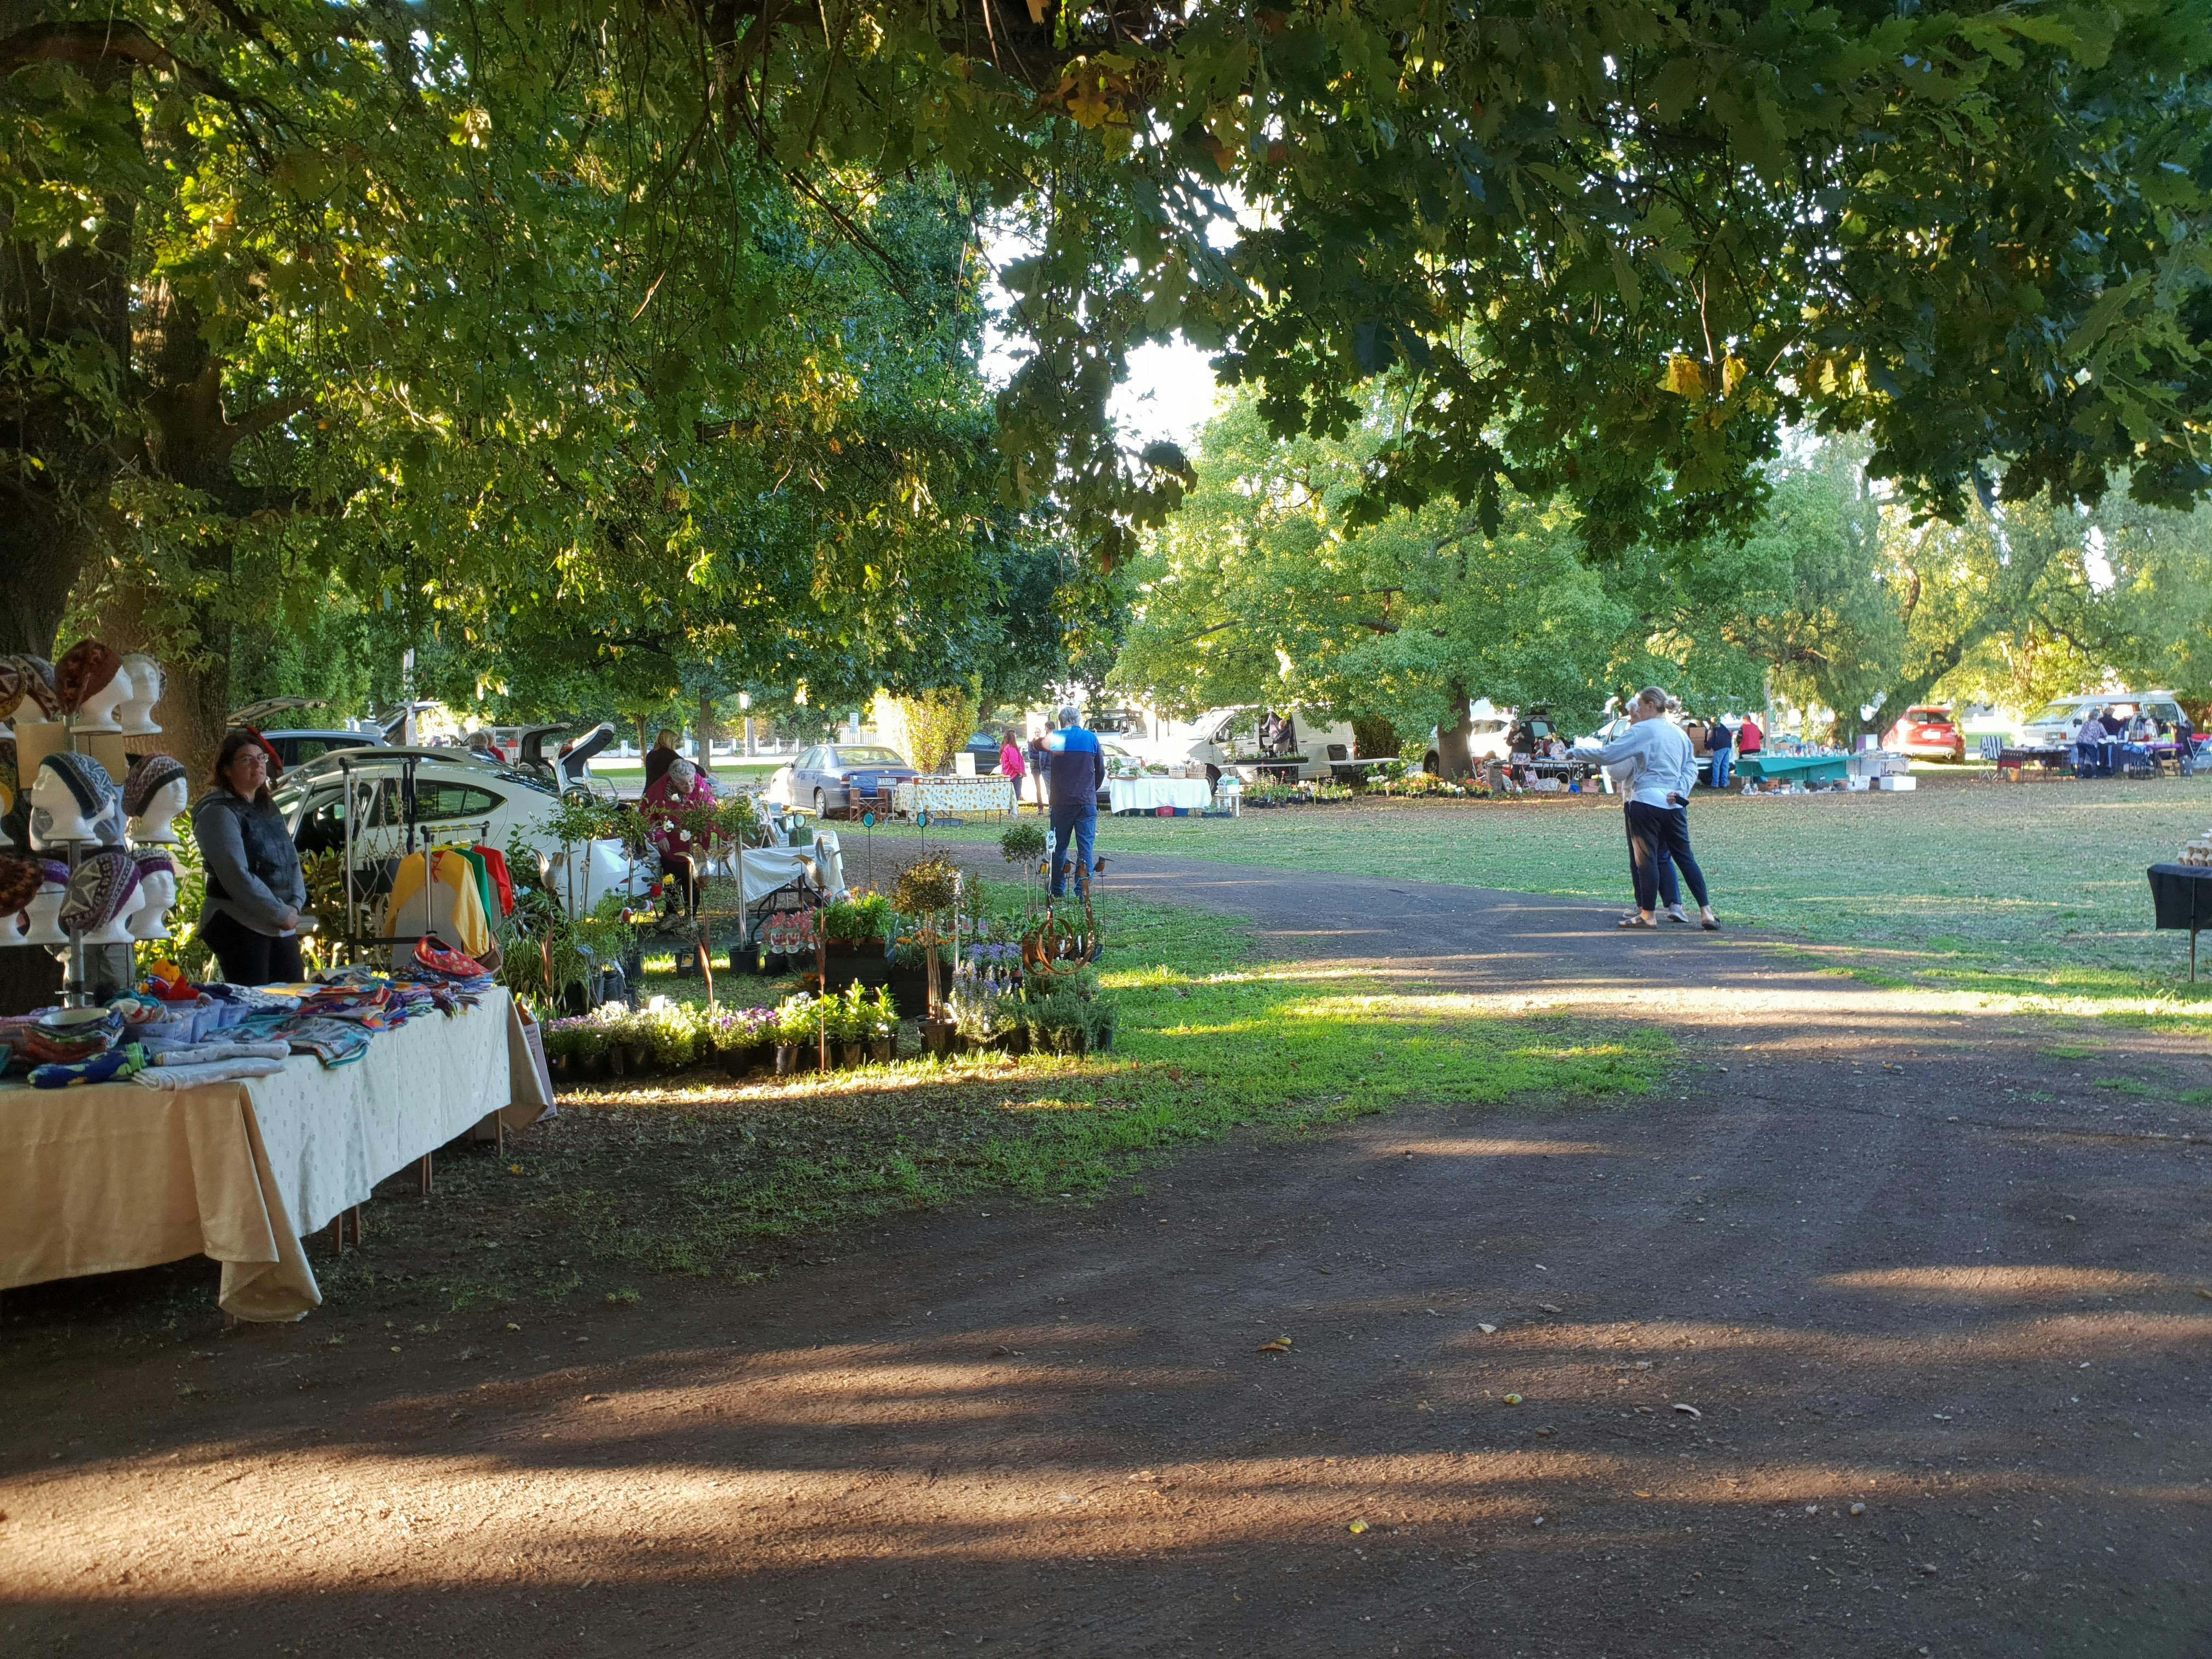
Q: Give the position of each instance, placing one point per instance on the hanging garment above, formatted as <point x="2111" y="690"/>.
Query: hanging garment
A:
<point x="436" y="892"/>
<point x="476" y="862"/>
<point x="502" y="879"/>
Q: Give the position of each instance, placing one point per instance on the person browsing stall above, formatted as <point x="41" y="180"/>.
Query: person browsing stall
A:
<point x="1012" y="765"/>
<point x="255" y="887"/>
<point x="1074" y="771"/>
<point x="1654" y="758"/>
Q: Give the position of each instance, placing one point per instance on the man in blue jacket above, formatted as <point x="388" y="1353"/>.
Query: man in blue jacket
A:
<point x="1074" y="771"/>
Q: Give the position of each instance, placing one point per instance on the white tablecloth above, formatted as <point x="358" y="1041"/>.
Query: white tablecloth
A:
<point x="954" y="795"/>
<point x="765" y="869"/>
<point x="101" y="1179"/>
<point x="1148" y="794"/>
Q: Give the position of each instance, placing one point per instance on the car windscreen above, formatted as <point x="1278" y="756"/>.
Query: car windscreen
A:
<point x="2059" y="713"/>
<point x="868" y="756"/>
<point x="1929" y="716"/>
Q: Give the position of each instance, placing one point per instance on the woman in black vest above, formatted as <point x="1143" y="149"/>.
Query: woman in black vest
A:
<point x="255" y="888"/>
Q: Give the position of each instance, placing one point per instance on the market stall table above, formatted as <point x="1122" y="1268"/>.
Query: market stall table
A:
<point x="1150" y="794"/>
<point x="112" y="1176"/>
<point x="2181" y="898"/>
<point x="953" y="794"/>
<point x="1793" y="769"/>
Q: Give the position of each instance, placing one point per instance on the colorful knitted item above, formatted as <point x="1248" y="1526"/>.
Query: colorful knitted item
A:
<point x="20" y="881"/>
<point x="155" y="861"/>
<point x="333" y="1041"/>
<point x="10" y="781"/>
<point x="90" y="787"/>
<point x="85" y="670"/>
<point x="104" y="887"/>
<point x="448" y="965"/>
<point x="113" y="1066"/>
<point x="11" y="686"/>
<point x="35" y="678"/>
<point x="147" y="773"/>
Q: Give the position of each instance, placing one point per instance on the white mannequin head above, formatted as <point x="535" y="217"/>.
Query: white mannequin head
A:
<point x="147" y="680"/>
<point x="74" y="799"/>
<point x="43" y="913"/>
<point x="157" y="891"/>
<point x="156" y="791"/>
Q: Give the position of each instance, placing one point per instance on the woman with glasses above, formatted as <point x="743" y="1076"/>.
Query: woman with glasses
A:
<point x="255" y="888"/>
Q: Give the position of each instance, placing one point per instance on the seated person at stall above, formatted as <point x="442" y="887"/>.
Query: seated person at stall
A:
<point x="680" y="786"/>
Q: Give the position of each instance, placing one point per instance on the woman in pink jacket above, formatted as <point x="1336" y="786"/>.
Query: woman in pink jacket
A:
<point x="1012" y="766"/>
<point x="680" y="786"/>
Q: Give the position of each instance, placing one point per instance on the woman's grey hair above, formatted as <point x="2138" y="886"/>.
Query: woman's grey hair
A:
<point x="1069" y="713"/>
<point x="1653" y="698"/>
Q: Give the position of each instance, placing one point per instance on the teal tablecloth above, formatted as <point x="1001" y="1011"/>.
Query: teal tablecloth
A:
<point x="1794" y="768"/>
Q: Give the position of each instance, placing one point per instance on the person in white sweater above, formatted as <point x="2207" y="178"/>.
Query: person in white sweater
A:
<point x="1656" y="765"/>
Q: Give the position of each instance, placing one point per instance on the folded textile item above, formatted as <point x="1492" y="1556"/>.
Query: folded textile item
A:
<point x="200" y="1054"/>
<point x="218" y="1071"/>
<point x="110" y="1067"/>
<point x="333" y="1041"/>
<point x="448" y="965"/>
<point x="68" y="1036"/>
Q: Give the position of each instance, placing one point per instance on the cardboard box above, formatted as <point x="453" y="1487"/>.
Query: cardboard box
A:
<point x="1896" y="784"/>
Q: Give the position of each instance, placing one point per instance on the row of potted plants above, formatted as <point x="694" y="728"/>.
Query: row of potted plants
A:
<point x="860" y="1025"/>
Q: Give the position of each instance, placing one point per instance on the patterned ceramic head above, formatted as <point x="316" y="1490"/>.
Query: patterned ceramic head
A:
<point x="103" y="889"/>
<point x="20" y="881"/>
<point x="84" y="672"/>
<point x="36" y="676"/>
<point x="147" y="773"/>
<point x="74" y="799"/>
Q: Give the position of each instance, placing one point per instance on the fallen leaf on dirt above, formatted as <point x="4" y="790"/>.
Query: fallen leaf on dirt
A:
<point x="1549" y="1307"/>
<point x="512" y="1326"/>
<point x="1858" y="1509"/>
<point x="1512" y="1399"/>
<point x="1281" y="1345"/>
<point x="1002" y="1349"/>
<point x="1642" y="1494"/>
<point x="1357" y="1526"/>
<point x="1546" y="1433"/>
<point x="1687" y="1411"/>
<point x="589" y="1398"/>
<point x="1488" y="1330"/>
<point x="1143" y="1474"/>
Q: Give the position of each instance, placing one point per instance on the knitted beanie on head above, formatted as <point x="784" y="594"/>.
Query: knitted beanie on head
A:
<point x="102" y="889"/>
<point x="156" y="862"/>
<point x="84" y="671"/>
<point x="37" y="676"/>
<point x="11" y="686"/>
<point x="20" y="881"/>
<point x="149" y="772"/>
<point x="88" y="781"/>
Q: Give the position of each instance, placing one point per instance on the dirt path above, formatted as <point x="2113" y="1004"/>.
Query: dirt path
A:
<point x="1855" y="1255"/>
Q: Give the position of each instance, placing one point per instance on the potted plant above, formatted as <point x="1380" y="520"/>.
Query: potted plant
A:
<point x="798" y="1028"/>
<point x="883" y="1026"/>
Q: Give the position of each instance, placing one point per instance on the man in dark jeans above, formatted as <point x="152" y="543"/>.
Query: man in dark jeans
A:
<point x="1076" y="769"/>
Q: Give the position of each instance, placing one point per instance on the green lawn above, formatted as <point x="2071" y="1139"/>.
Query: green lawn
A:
<point x="2034" y="887"/>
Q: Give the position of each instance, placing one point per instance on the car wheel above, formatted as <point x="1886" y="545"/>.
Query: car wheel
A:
<point x="821" y="804"/>
<point x="1213" y="777"/>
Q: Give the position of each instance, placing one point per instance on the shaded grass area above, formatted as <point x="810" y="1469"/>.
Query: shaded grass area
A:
<point x="2020" y="892"/>
<point x="699" y="1174"/>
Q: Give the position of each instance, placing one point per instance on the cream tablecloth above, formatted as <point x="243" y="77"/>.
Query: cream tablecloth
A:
<point x="954" y="795"/>
<point x="1150" y="794"/>
<point x="98" y="1180"/>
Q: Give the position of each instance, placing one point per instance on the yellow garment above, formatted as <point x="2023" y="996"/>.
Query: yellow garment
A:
<point x="436" y="892"/>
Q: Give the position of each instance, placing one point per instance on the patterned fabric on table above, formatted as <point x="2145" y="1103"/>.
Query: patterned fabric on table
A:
<point x="954" y="795"/>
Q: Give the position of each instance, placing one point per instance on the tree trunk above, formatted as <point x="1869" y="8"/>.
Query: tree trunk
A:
<point x="1452" y="740"/>
<point x="707" y="733"/>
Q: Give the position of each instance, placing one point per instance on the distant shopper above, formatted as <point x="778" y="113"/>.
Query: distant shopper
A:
<point x="1720" y="748"/>
<point x="1749" y="739"/>
<point x="2089" y="744"/>
<point x="2185" y="742"/>
<point x="662" y="755"/>
<point x="1037" y="769"/>
<point x="1012" y="766"/>
<point x="1656" y="761"/>
<point x="680" y="787"/>
<point x="1077" y="768"/>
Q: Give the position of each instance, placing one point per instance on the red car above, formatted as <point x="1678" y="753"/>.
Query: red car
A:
<point x="1927" y="733"/>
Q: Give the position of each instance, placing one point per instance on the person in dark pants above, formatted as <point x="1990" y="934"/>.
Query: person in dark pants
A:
<point x="1720" y="744"/>
<point x="1076" y="769"/>
<point x="1037" y="758"/>
<point x="1655" y="760"/>
<point x="255" y="887"/>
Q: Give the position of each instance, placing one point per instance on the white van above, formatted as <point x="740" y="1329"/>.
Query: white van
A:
<point x="2053" y="726"/>
<point x="1249" y="742"/>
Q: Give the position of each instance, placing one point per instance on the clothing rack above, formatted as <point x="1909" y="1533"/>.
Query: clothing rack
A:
<point x="357" y="937"/>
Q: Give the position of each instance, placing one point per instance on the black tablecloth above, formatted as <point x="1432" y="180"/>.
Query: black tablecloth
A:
<point x="2182" y="895"/>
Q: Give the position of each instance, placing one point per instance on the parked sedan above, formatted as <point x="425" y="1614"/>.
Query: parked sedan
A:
<point x="1927" y="733"/>
<point x="831" y="777"/>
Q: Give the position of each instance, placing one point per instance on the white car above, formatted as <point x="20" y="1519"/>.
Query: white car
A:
<point x="2053" y="726"/>
<point x="1229" y="740"/>
<point x="459" y="798"/>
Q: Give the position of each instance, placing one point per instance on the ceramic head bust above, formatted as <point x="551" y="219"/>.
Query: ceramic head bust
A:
<point x="157" y="891"/>
<point x="147" y="681"/>
<point x="156" y="791"/>
<point x="90" y="680"/>
<point x="74" y="799"/>
<point x="101" y="896"/>
<point x="42" y="915"/>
